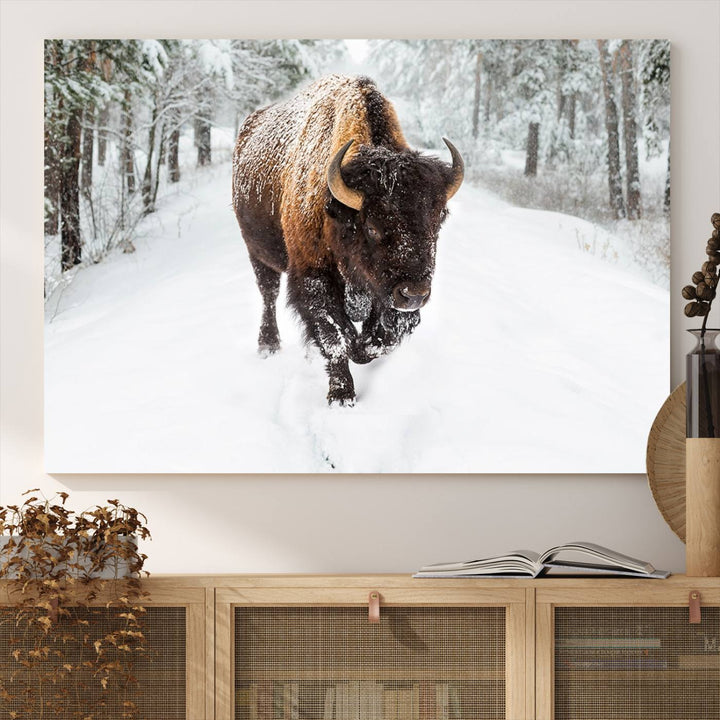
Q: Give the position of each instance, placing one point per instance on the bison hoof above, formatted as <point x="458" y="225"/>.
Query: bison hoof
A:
<point x="341" y="394"/>
<point x="341" y="401"/>
<point x="266" y="350"/>
<point x="365" y="350"/>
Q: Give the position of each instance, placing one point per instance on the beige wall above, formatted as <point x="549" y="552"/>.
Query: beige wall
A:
<point x="343" y="523"/>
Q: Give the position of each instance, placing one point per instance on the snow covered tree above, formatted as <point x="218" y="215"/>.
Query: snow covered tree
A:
<point x="653" y="60"/>
<point x="445" y="70"/>
<point x="103" y="113"/>
<point x="655" y="102"/>
<point x="52" y="138"/>
<point x="629" y="105"/>
<point x="617" y="202"/>
<point x="534" y="62"/>
<point x="128" y="102"/>
<point x="70" y="87"/>
<point x="88" y="130"/>
<point x="478" y="94"/>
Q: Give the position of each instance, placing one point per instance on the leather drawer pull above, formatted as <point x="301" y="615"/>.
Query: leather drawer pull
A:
<point x="374" y="607"/>
<point x="694" y="604"/>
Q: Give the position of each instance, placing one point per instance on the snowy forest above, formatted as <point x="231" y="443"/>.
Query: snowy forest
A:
<point x="117" y="113"/>
<point x="552" y="267"/>
<point x="562" y="125"/>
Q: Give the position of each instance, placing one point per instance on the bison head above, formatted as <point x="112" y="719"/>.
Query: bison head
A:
<point x="386" y="208"/>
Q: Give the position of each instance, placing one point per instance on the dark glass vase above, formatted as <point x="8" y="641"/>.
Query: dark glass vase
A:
<point x="703" y="386"/>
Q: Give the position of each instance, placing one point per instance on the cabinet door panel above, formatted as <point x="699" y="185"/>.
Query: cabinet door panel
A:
<point x="633" y="663"/>
<point x="330" y="662"/>
<point x="155" y="682"/>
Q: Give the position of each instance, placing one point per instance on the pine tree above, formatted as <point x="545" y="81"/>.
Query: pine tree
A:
<point x="70" y="87"/>
<point x="533" y="142"/>
<point x="655" y="102"/>
<point x="535" y="61"/>
<point x="70" y="191"/>
<point x="88" y="130"/>
<point x="53" y="133"/>
<point x="617" y="202"/>
<point x="629" y="104"/>
<point x="104" y="113"/>
<point x="88" y="142"/>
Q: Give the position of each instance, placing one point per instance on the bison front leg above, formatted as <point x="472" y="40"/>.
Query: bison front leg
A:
<point x="318" y="298"/>
<point x="382" y="332"/>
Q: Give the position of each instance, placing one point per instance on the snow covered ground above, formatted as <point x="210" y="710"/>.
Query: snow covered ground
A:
<point x="537" y="353"/>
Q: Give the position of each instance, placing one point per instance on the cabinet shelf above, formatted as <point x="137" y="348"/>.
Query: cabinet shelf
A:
<point x="635" y="675"/>
<point x="380" y="676"/>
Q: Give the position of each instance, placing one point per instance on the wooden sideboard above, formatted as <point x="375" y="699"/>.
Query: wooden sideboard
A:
<point x="264" y="647"/>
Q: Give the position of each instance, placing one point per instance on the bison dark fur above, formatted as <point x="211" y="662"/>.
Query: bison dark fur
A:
<point x="357" y="241"/>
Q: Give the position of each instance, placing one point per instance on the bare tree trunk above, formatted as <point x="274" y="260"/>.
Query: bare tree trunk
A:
<point x="162" y="153"/>
<point x="104" y="115"/>
<point x="562" y="100"/>
<point x="478" y="92"/>
<point x="147" y="185"/>
<point x="70" y="192"/>
<point x="488" y="98"/>
<point x="52" y="150"/>
<point x="103" y="120"/>
<point x="88" y="132"/>
<point x="128" y="158"/>
<point x="611" y="125"/>
<point x="571" y="115"/>
<point x="533" y="142"/>
<point x="162" y="147"/>
<point x="173" y="147"/>
<point x="666" y="200"/>
<point x="87" y="150"/>
<point x="632" y="171"/>
<point x="202" y="138"/>
<point x="52" y="177"/>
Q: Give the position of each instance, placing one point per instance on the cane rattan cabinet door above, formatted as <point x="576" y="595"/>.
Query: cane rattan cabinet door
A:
<point x="59" y="674"/>
<point x="320" y="661"/>
<point x="631" y="661"/>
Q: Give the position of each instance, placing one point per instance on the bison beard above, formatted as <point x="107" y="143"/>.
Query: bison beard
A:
<point x="356" y="238"/>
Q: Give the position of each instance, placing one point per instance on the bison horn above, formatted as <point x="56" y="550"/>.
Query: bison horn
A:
<point x="340" y="191"/>
<point x="458" y="169"/>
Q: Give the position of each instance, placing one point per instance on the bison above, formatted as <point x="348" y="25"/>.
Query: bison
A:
<point x="326" y="189"/>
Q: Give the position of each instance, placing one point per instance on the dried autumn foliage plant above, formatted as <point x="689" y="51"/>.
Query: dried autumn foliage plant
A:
<point x="71" y="610"/>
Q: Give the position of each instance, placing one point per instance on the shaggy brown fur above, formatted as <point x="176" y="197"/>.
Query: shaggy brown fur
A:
<point x="283" y="152"/>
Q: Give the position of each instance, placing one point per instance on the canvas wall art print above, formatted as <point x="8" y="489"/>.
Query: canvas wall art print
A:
<point x="355" y="256"/>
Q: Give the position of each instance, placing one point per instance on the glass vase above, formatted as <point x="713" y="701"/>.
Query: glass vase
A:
<point x="703" y="386"/>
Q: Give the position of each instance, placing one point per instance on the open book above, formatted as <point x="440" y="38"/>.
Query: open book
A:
<point x="575" y="558"/>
